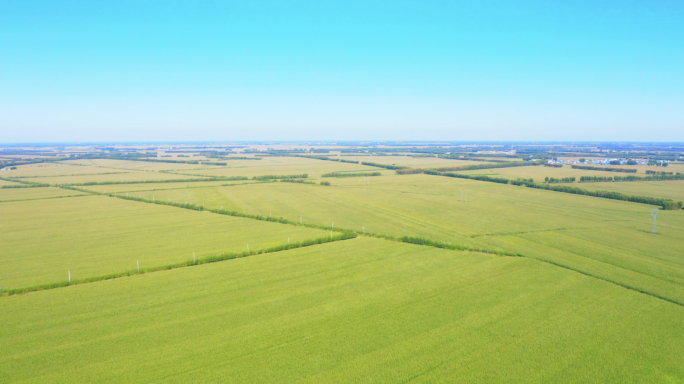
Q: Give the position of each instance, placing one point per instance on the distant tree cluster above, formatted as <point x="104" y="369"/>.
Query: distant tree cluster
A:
<point x="559" y="180"/>
<point x="607" y="169"/>
<point x="661" y="177"/>
<point x="341" y="174"/>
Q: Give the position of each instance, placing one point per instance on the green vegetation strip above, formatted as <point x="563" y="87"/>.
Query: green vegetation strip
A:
<point x="23" y="183"/>
<point x="213" y="178"/>
<point x="607" y="169"/>
<point x="274" y="177"/>
<point x="383" y="165"/>
<point x="323" y="158"/>
<point x="177" y="161"/>
<point x="599" y="179"/>
<point x="341" y="174"/>
<point x="73" y="174"/>
<point x="667" y="204"/>
<point x="210" y="259"/>
<point x="507" y="164"/>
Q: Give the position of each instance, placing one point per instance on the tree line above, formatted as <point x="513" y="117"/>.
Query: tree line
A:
<point x="666" y="204"/>
<point x="340" y="174"/>
<point x="559" y="180"/>
<point x="597" y="179"/>
<point x="607" y="169"/>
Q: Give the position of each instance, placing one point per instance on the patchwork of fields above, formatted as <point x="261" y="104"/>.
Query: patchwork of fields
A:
<point x="593" y="295"/>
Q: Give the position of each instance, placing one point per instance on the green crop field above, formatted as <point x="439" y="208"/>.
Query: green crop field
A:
<point x="430" y="206"/>
<point x="145" y="165"/>
<point x="358" y="310"/>
<point x="96" y="235"/>
<point x="673" y="189"/>
<point x="556" y="287"/>
<point x="412" y="162"/>
<point x="282" y="166"/>
<point x="14" y="194"/>
<point x="196" y="183"/>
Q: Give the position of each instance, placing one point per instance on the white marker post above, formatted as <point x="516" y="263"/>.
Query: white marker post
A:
<point x="247" y="247"/>
<point x="70" y="275"/>
<point x="138" y="265"/>
<point x="300" y="220"/>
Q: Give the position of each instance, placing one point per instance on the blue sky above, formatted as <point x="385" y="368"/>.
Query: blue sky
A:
<point x="324" y="70"/>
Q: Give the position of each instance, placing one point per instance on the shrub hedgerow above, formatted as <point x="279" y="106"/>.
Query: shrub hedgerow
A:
<point x="382" y="165"/>
<point x="607" y="169"/>
<point x="340" y="174"/>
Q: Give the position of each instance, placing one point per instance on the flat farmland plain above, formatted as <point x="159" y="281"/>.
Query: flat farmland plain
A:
<point x="133" y="187"/>
<point x="16" y="194"/>
<point x="97" y="235"/>
<point x="592" y="296"/>
<point x="350" y="311"/>
<point x="616" y="233"/>
<point x="145" y="165"/>
<point x="283" y="166"/>
<point x="412" y="162"/>
<point x="110" y="177"/>
<point x="672" y="189"/>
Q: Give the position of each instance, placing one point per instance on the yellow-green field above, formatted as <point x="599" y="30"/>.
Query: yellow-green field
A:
<point x="145" y="165"/>
<point x="585" y="293"/>
<point x="673" y="189"/>
<point x="14" y="194"/>
<point x="97" y="235"/>
<point x="363" y="310"/>
<point x="106" y="177"/>
<point x="412" y="162"/>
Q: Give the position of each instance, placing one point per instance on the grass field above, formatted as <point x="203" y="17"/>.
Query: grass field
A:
<point x="673" y="189"/>
<point x="97" y="235"/>
<point x="283" y="166"/>
<point x="105" y="177"/>
<point x="358" y="310"/>
<point x="14" y="194"/>
<point x="413" y="162"/>
<point x="592" y="297"/>
<point x="430" y="206"/>
<point x="145" y="165"/>
<point x="123" y="188"/>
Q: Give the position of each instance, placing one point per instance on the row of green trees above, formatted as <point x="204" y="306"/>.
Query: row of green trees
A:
<point x="341" y="174"/>
<point x="325" y="158"/>
<point x="179" y="161"/>
<point x="553" y="165"/>
<point x="345" y="235"/>
<point x="195" y="180"/>
<point x="23" y="183"/>
<point x="386" y="166"/>
<point x="298" y="181"/>
<point x="470" y="167"/>
<point x="607" y="169"/>
<point x="559" y="180"/>
<point x="596" y="179"/>
<point x="667" y="204"/>
<point x="275" y="177"/>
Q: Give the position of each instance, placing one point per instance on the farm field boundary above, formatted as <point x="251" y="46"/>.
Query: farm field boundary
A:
<point x="667" y="204"/>
<point x="205" y="260"/>
<point x="406" y="239"/>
